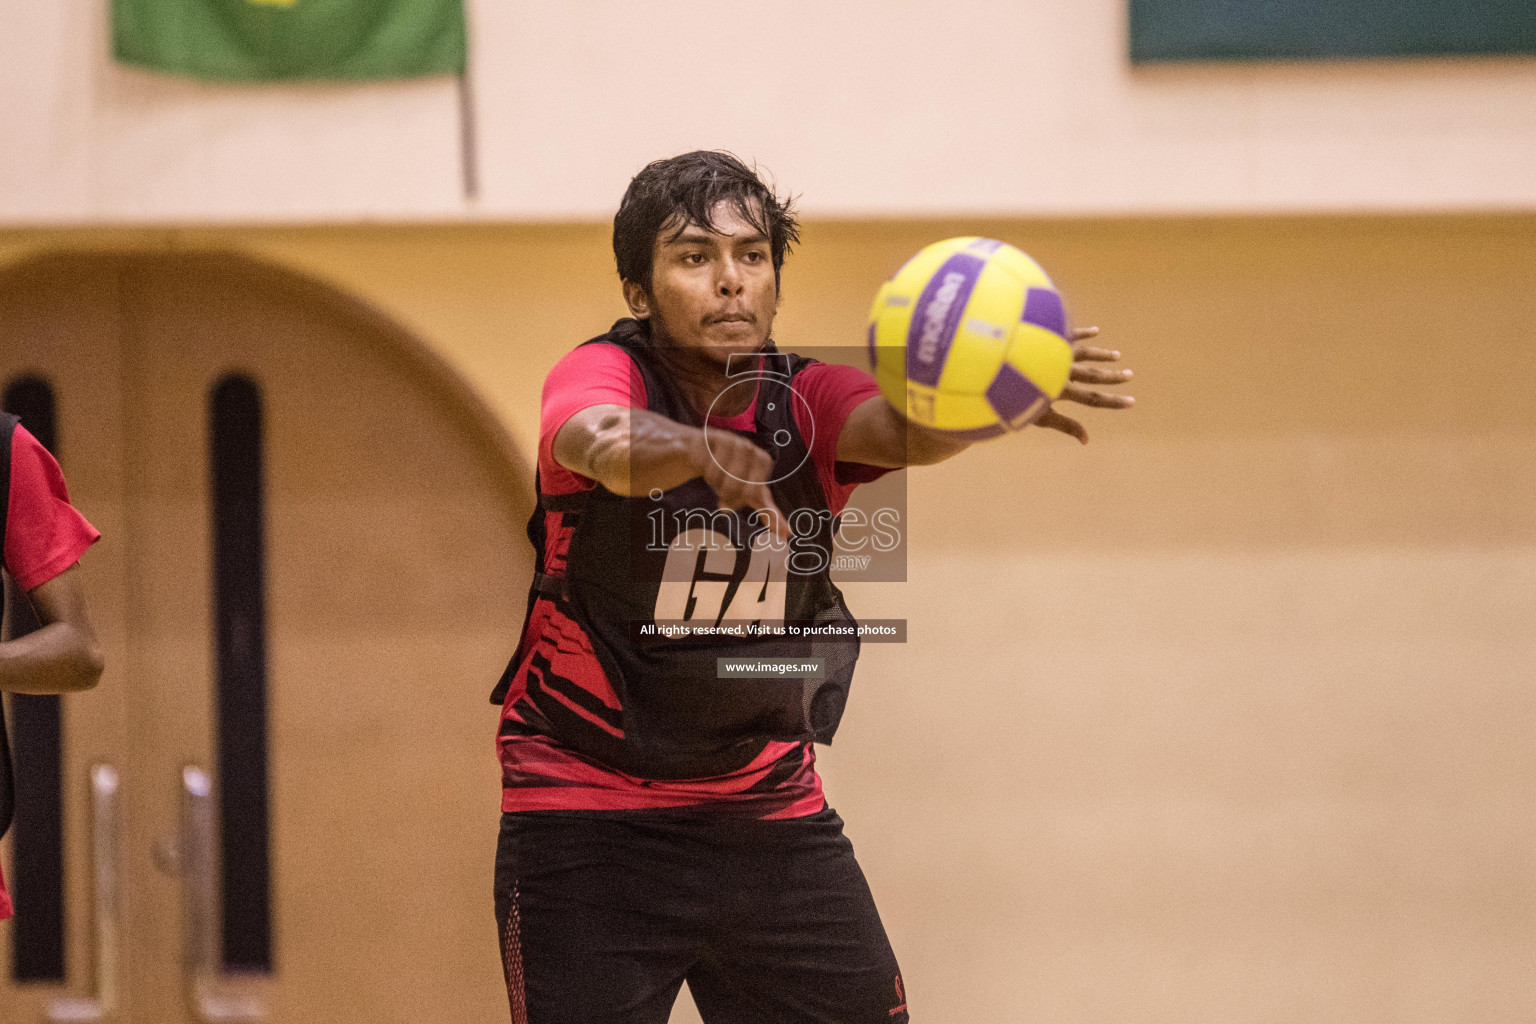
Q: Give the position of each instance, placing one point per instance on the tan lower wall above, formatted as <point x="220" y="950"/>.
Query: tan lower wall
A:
<point x="1226" y="717"/>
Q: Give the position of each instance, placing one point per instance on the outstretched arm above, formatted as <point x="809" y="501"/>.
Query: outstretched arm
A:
<point x="62" y="655"/>
<point x="876" y="434"/>
<point x="634" y="451"/>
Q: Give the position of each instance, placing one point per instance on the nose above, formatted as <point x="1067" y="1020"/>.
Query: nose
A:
<point x="731" y="283"/>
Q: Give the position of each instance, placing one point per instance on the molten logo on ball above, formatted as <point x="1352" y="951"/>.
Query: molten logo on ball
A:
<point x="936" y="314"/>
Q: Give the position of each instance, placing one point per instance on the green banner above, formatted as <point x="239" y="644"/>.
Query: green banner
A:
<point x="289" y="40"/>
<point x="1178" y="30"/>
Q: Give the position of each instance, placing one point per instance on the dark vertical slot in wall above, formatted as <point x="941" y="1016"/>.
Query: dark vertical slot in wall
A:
<point x="37" y="746"/>
<point x="240" y="638"/>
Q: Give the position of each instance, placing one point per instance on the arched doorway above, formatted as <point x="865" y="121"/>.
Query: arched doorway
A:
<point x="312" y="568"/>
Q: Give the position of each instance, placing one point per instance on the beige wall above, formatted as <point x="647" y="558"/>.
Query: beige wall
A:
<point x="1225" y="717"/>
<point x="864" y="107"/>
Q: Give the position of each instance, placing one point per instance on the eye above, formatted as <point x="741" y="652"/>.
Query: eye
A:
<point x="694" y="258"/>
<point x="755" y="256"/>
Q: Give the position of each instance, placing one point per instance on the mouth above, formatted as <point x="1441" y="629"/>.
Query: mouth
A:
<point x="733" y="318"/>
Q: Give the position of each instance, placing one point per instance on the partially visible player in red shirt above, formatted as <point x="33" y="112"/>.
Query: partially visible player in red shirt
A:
<point x="44" y="537"/>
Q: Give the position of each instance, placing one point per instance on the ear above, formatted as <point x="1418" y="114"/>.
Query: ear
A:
<point x="638" y="300"/>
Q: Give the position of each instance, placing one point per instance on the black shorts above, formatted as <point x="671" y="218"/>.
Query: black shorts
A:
<point x="603" y="917"/>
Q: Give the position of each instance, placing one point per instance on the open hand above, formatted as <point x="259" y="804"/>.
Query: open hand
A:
<point x="1083" y="372"/>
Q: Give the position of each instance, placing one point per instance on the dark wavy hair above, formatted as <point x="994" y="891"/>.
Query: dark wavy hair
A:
<point x="684" y="190"/>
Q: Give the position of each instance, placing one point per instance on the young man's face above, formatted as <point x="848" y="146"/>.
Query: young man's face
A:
<point x="712" y="289"/>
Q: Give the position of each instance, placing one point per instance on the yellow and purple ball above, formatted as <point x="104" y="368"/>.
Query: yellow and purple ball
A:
<point x="970" y="336"/>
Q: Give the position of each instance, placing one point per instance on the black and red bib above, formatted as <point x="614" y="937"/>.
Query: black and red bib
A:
<point x="663" y="586"/>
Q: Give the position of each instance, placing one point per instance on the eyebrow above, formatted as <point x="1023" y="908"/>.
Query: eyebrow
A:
<point x="700" y="236"/>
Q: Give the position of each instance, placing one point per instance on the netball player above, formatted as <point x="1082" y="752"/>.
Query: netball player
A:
<point x="660" y="823"/>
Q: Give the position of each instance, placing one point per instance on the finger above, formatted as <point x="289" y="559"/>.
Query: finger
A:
<point x="1053" y="420"/>
<point x="1090" y="354"/>
<point x="1099" y="375"/>
<point x="744" y="464"/>
<point x="734" y="494"/>
<point x="1097" y="399"/>
<point x="737" y="484"/>
<point x="767" y="510"/>
<point x="1079" y="333"/>
<point x="723" y="477"/>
